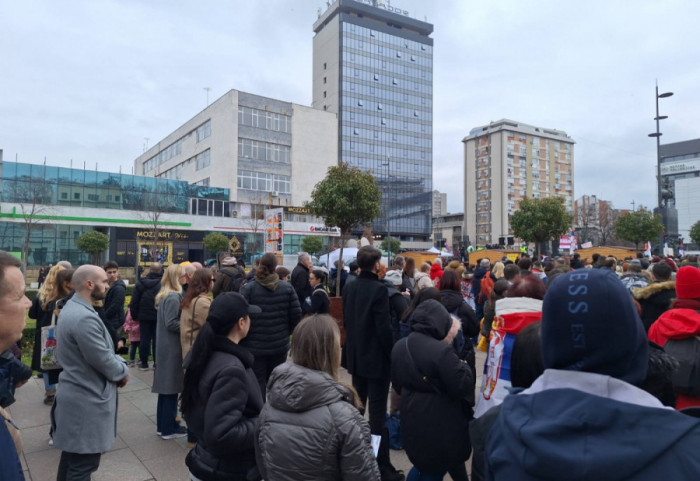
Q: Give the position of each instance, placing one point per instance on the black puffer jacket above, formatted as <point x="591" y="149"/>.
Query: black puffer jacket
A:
<point x="113" y="314"/>
<point x="310" y="411"/>
<point x="225" y="420"/>
<point x="434" y="413"/>
<point x="454" y="302"/>
<point x="319" y="302"/>
<point x="270" y="330"/>
<point x="655" y="299"/>
<point x="143" y="300"/>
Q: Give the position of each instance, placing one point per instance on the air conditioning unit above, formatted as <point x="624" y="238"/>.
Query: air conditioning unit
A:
<point x="234" y="213"/>
<point x="274" y="193"/>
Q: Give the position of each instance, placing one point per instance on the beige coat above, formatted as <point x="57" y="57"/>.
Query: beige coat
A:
<point x="191" y="324"/>
<point x="14" y="432"/>
<point x="422" y="281"/>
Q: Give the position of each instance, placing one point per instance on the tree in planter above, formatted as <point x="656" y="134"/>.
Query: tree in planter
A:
<point x="638" y="226"/>
<point x="395" y="245"/>
<point x="312" y="244"/>
<point x="347" y="198"/>
<point x="541" y="220"/>
<point x="217" y="243"/>
<point x="94" y="243"/>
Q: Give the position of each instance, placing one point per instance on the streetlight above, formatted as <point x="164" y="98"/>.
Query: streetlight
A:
<point x="657" y="134"/>
<point x="388" y="224"/>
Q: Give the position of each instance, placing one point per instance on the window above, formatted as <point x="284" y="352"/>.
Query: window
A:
<point x="76" y="195"/>
<point x="324" y="80"/>
<point x="64" y="195"/>
<point x="204" y="131"/>
<point x="324" y="65"/>
<point x="203" y="159"/>
<point x="93" y="197"/>
<point x="264" y="182"/>
<point x="376" y="76"/>
<point x="324" y="94"/>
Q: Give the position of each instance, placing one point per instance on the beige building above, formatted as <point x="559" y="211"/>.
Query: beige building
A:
<point x="506" y="161"/>
<point x="267" y="152"/>
<point x="439" y="203"/>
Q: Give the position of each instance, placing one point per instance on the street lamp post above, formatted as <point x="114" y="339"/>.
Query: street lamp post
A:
<point x="388" y="222"/>
<point x="659" y="187"/>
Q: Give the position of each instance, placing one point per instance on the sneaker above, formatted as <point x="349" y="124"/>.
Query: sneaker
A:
<point x="132" y="363"/>
<point x="49" y="399"/>
<point x="50" y="441"/>
<point x="142" y="367"/>
<point x="191" y="445"/>
<point x="180" y="433"/>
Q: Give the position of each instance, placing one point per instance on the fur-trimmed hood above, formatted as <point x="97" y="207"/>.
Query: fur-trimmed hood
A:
<point x="653" y="289"/>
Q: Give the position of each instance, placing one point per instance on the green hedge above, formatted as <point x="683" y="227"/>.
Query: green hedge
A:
<point x="31" y="294"/>
<point x="130" y="289"/>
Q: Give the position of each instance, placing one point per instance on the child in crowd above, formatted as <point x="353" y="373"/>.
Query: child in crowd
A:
<point x="132" y="328"/>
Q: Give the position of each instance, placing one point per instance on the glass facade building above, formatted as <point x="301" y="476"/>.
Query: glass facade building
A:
<point x="373" y="67"/>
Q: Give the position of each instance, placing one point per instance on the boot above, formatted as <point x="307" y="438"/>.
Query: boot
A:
<point x="49" y="397"/>
<point x="387" y="470"/>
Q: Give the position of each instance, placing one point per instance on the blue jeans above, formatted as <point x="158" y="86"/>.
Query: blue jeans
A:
<point x="166" y="413"/>
<point x="132" y="350"/>
<point x="48" y="387"/>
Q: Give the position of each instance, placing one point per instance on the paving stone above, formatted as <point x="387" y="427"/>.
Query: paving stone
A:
<point x="36" y="439"/>
<point x="43" y="465"/>
<point x="171" y="467"/>
<point x="147" y="449"/>
<point x="121" y="465"/>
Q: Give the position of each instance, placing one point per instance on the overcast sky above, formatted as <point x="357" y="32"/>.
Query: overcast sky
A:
<point x="89" y="80"/>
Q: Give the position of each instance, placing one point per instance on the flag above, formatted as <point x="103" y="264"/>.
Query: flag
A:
<point x="564" y="242"/>
<point x="647" y="249"/>
<point x="665" y="242"/>
<point x="512" y="315"/>
<point x="681" y="249"/>
<point x="572" y="242"/>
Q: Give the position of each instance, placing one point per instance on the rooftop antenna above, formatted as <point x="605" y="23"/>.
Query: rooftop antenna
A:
<point x="207" y="89"/>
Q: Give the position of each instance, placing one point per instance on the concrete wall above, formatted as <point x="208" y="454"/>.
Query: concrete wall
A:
<point x="314" y="149"/>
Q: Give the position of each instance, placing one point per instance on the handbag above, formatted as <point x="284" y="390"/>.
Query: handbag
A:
<point x="49" y="361"/>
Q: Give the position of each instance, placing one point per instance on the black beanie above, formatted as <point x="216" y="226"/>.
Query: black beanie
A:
<point x="589" y="323"/>
<point x="432" y="319"/>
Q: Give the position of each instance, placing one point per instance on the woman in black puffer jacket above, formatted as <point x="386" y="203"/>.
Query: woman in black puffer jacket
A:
<point x="221" y="398"/>
<point x="268" y="339"/>
<point x="433" y="383"/>
<point x="310" y="410"/>
<point x="451" y="298"/>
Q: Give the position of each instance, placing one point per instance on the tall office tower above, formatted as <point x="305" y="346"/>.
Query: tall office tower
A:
<point x="506" y="161"/>
<point x="373" y="66"/>
<point x="680" y="181"/>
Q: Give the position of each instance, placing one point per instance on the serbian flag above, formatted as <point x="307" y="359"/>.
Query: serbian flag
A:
<point x="647" y="249"/>
<point x="681" y="249"/>
<point x="512" y="315"/>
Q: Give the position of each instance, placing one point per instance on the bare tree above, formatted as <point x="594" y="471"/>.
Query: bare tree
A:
<point x="34" y="198"/>
<point x="256" y="220"/>
<point x="607" y="217"/>
<point x="586" y="221"/>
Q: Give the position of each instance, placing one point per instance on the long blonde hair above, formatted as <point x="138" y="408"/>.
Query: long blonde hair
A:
<point x="49" y="289"/>
<point x="170" y="282"/>
<point x="497" y="270"/>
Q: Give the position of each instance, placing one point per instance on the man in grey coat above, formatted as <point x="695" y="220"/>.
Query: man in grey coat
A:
<point x="85" y="409"/>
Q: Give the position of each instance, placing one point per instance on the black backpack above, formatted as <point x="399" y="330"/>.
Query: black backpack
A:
<point x="236" y="280"/>
<point x="685" y="379"/>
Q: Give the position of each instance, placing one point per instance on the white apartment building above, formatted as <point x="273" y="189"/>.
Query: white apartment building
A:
<point x="506" y="161"/>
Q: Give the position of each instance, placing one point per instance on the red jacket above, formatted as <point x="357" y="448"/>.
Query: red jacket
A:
<point x="677" y="324"/>
<point x="435" y="271"/>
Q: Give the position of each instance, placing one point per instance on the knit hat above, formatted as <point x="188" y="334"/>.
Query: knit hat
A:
<point x="394" y="277"/>
<point x="227" y="309"/>
<point x="671" y="264"/>
<point x="688" y="283"/>
<point x="229" y="261"/>
<point x="590" y="324"/>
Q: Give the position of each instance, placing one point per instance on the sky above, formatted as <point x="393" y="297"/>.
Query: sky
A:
<point x="89" y="81"/>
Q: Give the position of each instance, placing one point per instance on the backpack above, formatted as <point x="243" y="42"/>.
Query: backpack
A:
<point x="236" y="280"/>
<point x="486" y="288"/>
<point x="685" y="379"/>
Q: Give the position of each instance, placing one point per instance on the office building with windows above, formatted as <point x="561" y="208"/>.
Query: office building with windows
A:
<point x="147" y="219"/>
<point x="505" y="162"/>
<point x="265" y="151"/>
<point x="373" y="67"/>
<point x="680" y="174"/>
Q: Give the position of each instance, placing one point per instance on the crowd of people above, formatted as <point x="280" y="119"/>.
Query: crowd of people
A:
<point x="592" y="367"/>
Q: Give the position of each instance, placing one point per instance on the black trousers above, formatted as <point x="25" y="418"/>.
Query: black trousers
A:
<point x="263" y="367"/>
<point x="77" y="467"/>
<point x="148" y="335"/>
<point x="377" y="390"/>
